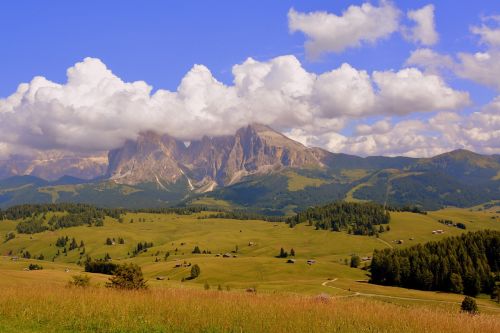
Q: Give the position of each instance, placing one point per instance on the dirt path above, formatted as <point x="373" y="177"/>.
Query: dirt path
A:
<point x="355" y="293"/>
<point x="386" y="243"/>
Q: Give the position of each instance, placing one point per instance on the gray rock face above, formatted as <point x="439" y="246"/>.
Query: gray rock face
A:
<point x="209" y="162"/>
<point x="151" y="158"/>
<point x="163" y="160"/>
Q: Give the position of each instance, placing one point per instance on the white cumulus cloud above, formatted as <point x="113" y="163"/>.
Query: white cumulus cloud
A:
<point x="410" y="90"/>
<point x="481" y="67"/>
<point x="329" y="32"/>
<point x="424" y="30"/>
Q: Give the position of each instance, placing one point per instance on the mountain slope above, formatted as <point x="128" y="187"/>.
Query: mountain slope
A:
<point x="259" y="169"/>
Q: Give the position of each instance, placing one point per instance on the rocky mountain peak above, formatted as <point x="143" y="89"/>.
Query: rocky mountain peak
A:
<point x="150" y="158"/>
<point x="210" y="161"/>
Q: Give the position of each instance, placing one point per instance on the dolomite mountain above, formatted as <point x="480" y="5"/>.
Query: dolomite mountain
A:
<point x="210" y="162"/>
<point x="52" y="166"/>
<point x="158" y="171"/>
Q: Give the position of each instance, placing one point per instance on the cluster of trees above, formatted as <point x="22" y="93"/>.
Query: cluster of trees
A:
<point x="142" y="247"/>
<point x="27" y="255"/>
<point x="284" y="254"/>
<point x="100" y="266"/>
<point x="197" y="250"/>
<point x="63" y="241"/>
<point x="35" y="267"/>
<point x="466" y="264"/>
<point x="355" y="218"/>
<point x="89" y="218"/>
<point x="450" y="223"/>
<point x="125" y="276"/>
<point x="31" y="226"/>
<point x="110" y="241"/>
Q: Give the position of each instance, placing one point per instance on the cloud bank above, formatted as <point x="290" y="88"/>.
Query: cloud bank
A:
<point x="412" y="111"/>
<point x="96" y="110"/>
<point x="445" y="131"/>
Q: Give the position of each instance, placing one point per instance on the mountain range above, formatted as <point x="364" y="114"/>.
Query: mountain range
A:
<point x="257" y="168"/>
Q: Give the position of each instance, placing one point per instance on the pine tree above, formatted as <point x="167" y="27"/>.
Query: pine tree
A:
<point x="73" y="244"/>
<point x="195" y="271"/>
<point x="472" y="284"/>
<point x="455" y="284"/>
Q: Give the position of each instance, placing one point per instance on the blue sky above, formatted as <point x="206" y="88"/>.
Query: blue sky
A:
<point x="159" y="42"/>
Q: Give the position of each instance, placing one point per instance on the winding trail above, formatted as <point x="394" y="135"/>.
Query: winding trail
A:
<point x="355" y="293"/>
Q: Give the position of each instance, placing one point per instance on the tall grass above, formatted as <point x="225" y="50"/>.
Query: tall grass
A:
<point x="59" y="309"/>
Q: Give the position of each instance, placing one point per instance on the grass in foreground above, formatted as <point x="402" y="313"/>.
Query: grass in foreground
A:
<point x="52" y="308"/>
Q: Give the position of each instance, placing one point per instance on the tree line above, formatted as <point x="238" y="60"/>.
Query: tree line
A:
<point x="242" y="215"/>
<point x="410" y="209"/>
<point x="32" y="210"/>
<point x="355" y="218"/>
<point x="466" y="264"/>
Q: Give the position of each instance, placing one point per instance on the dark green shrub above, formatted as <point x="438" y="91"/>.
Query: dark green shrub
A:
<point x="469" y="305"/>
<point x="127" y="276"/>
<point x="81" y="280"/>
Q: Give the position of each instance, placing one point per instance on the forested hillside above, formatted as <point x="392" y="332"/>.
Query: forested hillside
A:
<point x="466" y="264"/>
<point x="355" y="218"/>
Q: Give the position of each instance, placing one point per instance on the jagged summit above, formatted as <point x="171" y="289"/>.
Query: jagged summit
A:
<point x="210" y="161"/>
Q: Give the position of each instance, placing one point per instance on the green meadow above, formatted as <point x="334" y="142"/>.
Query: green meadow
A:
<point x="253" y="245"/>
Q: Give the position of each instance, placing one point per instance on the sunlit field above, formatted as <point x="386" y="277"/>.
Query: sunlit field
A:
<point x="59" y="309"/>
<point x="328" y="295"/>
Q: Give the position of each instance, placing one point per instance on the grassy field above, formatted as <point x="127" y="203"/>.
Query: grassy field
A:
<point x="58" y="309"/>
<point x="256" y="266"/>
